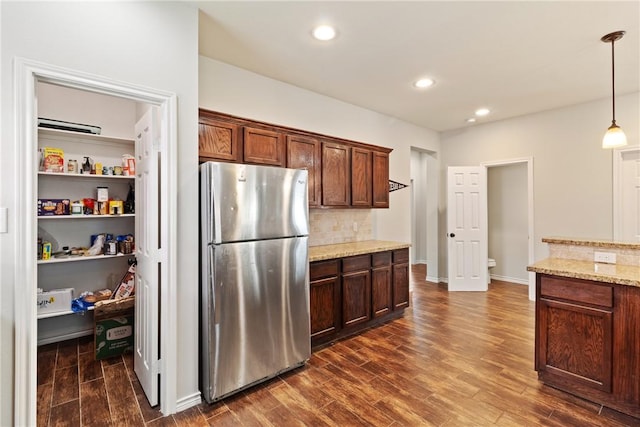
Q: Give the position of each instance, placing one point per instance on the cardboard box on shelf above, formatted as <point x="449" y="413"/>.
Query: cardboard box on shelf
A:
<point x="53" y="159"/>
<point x="114" y="322"/>
<point x="49" y="207"/>
<point x="55" y="301"/>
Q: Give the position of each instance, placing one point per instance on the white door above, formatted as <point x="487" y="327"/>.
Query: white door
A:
<point x="147" y="254"/>
<point x="467" y="228"/>
<point x="627" y="225"/>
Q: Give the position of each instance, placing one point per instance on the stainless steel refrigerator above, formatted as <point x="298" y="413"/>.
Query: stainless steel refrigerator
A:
<point x="254" y="223"/>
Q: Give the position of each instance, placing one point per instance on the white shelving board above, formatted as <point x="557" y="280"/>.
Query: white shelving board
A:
<point x="74" y="217"/>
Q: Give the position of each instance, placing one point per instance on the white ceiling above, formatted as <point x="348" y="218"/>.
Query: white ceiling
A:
<point x="513" y="57"/>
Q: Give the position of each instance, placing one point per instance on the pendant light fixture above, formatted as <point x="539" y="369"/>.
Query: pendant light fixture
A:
<point x="614" y="137"/>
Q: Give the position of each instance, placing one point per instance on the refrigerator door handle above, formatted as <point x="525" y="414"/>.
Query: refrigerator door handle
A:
<point x="214" y="289"/>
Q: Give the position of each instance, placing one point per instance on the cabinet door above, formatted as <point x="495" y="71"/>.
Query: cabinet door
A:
<point x="263" y="147"/>
<point x="324" y="305"/>
<point x="381" y="298"/>
<point x="335" y="175"/>
<point x="360" y="177"/>
<point x="356" y="298"/>
<point x="400" y="286"/>
<point x="217" y="140"/>
<point x="400" y="278"/>
<point x="574" y="345"/>
<point x="380" y="180"/>
<point x="304" y="153"/>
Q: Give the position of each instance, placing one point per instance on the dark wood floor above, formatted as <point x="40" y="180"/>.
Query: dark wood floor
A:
<point x="454" y="359"/>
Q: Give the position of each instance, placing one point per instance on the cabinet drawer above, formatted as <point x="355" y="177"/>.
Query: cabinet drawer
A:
<point x="320" y="269"/>
<point x="401" y="256"/>
<point x="355" y="263"/>
<point x="380" y="259"/>
<point x="576" y="290"/>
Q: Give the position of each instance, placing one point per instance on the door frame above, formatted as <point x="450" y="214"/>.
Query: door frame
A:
<point x="26" y="75"/>
<point x="530" y="213"/>
<point x="617" y="188"/>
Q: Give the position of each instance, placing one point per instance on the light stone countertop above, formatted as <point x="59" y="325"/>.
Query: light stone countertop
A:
<point x="341" y="250"/>
<point x="609" y="273"/>
<point x="596" y="243"/>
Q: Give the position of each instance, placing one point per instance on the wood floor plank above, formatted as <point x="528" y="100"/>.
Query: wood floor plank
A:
<point x="66" y="414"/>
<point x="46" y="366"/>
<point x="94" y="403"/>
<point x="303" y="409"/>
<point x="89" y="368"/>
<point x="85" y="344"/>
<point x="191" y="417"/>
<point x="246" y="411"/>
<point x="149" y="413"/>
<point x="163" y="422"/>
<point x="122" y="399"/>
<point x="65" y="386"/>
<point x="341" y="416"/>
<point x="67" y="354"/>
<point x="43" y="400"/>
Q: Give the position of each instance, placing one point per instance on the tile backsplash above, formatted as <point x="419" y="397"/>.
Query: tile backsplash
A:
<point x="330" y="226"/>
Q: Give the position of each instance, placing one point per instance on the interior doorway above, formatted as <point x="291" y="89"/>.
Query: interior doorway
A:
<point x="424" y="169"/>
<point x="507" y="222"/>
<point x="28" y="75"/>
<point x="626" y="194"/>
<point x="522" y="170"/>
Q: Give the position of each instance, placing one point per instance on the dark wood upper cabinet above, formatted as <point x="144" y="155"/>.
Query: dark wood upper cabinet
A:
<point x="304" y="153"/>
<point x="361" y="177"/>
<point x="335" y="175"/>
<point x="217" y="140"/>
<point x="263" y="147"/>
<point x="342" y="173"/>
<point x="380" y="179"/>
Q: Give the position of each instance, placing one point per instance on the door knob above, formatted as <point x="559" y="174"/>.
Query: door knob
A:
<point x="452" y="234"/>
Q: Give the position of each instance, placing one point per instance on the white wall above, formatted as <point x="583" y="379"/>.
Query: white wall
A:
<point x="508" y="216"/>
<point x="572" y="174"/>
<point x="153" y="44"/>
<point x="232" y="90"/>
<point x="115" y="116"/>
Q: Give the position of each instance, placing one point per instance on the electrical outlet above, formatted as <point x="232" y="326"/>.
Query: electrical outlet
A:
<point x="606" y="257"/>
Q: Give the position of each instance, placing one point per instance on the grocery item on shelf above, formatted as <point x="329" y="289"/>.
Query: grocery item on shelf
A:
<point x="52" y="159"/>
<point x="48" y="207"/>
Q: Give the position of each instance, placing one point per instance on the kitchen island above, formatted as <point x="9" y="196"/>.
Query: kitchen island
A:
<point x="354" y="286"/>
<point x="588" y="321"/>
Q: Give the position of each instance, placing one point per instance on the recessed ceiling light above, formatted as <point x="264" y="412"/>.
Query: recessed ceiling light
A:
<point x="324" y="32"/>
<point x="471" y="120"/>
<point x="482" y="112"/>
<point x="424" y="83"/>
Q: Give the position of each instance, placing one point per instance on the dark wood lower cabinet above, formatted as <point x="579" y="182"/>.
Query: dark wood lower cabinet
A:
<point x="324" y="298"/>
<point x="588" y="340"/>
<point x="381" y="293"/>
<point x="400" y="279"/>
<point x="350" y="294"/>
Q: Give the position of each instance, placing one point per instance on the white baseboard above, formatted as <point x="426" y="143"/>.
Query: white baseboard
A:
<point x="432" y="279"/>
<point x="188" y="402"/>
<point x="510" y="279"/>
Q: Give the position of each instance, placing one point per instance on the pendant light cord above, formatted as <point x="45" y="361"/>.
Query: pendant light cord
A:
<point x="613" y="83"/>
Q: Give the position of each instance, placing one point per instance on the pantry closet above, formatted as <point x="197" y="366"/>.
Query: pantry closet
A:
<point x="129" y="128"/>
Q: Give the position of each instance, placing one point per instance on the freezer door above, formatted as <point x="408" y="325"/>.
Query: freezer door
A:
<point x="247" y="202"/>
<point x="257" y="323"/>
